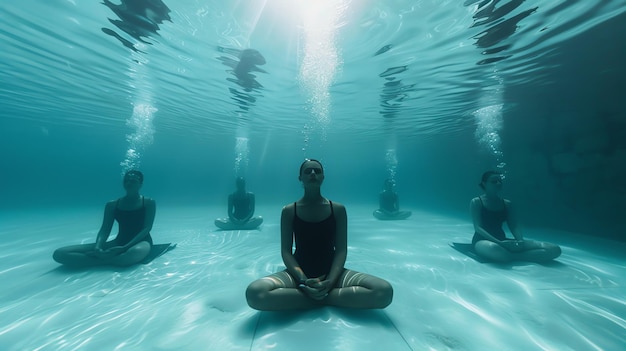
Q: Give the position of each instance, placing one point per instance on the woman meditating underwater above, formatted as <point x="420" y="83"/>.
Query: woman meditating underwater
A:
<point x="315" y="274"/>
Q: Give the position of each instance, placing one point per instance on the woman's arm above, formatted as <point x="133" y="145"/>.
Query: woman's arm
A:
<point x="475" y="207"/>
<point x="388" y="202"/>
<point x="231" y="207"/>
<point x="251" y="205"/>
<point x="107" y="224"/>
<point x="511" y="221"/>
<point x="286" y="243"/>
<point x="147" y="224"/>
<point x="396" y="202"/>
<point x="341" y="244"/>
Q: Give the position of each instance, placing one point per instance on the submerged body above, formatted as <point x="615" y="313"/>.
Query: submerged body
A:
<point x="315" y="274"/>
<point x="489" y="212"/>
<point x="134" y="214"/>
<point x="241" y="206"/>
<point x="389" y="207"/>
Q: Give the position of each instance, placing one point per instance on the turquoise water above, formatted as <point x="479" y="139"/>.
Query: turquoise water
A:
<point x="430" y="93"/>
<point x="192" y="298"/>
<point x="406" y="76"/>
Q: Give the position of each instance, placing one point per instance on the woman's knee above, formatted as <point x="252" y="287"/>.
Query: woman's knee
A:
<point x="68" y="256"/>
<point x="384" y="293"/>
<point x="133" y="255"/>
<point x="59" y="255"/>
<point x="551" y="251"/>
<point x="545" y="251"/>
<point x="139" y="250"/>
<point x="554" y="250"/>
<point x="380" y="292"/>
<point x="492" y="251"/>
<point x="256" y="293"/>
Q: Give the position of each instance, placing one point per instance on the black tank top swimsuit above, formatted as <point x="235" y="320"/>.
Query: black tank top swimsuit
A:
<point x="491" y="222"/>
<point x="242" y="206"/>
<point x="130" y="223"/>
<point x="387" y="201"/>
<point x="315" y="244"/>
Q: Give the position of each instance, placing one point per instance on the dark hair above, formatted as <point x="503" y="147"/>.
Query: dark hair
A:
<point x="486" y="176"/>
<point x="310" y="160"/>
<point x="135" y="173"/>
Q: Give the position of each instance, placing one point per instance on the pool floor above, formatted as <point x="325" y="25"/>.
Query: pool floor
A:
<point x="192" y="298"/>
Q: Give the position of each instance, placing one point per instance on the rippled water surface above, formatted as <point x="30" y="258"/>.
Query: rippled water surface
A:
<point x="192" y="298"/>
<point x="426" y="64"/>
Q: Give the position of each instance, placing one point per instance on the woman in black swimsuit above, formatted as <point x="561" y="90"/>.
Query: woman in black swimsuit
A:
<point x="315" y="274"/>
<point x="134" y="214"/>
<point x="388" y="208"/>
<point x="489" y="211"/>
<point x="241" y="206"/>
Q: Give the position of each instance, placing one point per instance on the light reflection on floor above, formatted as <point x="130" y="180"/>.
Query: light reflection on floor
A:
<point x="192" y="298"/>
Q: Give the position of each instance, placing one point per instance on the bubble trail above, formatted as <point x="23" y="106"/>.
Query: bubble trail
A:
<point x="241" y="156"/>
<point x="489" y="121"/>
<point x="391" y="160"/>
<point x="141" y="121"/>
<point x="321" y="60"/>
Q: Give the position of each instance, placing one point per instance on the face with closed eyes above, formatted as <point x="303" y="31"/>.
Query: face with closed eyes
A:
<point x="133" y="181"/>
<point x="311" y="172"/>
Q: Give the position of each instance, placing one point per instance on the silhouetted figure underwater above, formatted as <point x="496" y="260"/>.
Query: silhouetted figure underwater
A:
<point x="489" y="211"/>
<point x="241" y="206"/>
<point x="389" y="207"/>
<point x="135" y="215"/>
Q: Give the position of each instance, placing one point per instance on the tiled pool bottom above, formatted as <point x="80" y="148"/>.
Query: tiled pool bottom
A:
<point x="192" y="298"/>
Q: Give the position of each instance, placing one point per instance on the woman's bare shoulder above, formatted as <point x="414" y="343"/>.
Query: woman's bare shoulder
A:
<point x="338" y="205"/>
<point x="339" y="208"/>
<point x="288" y="208"/>
<point x="475" y="201"/>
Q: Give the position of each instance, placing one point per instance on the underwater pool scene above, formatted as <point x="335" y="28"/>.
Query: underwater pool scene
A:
<point x="422" y="96"/>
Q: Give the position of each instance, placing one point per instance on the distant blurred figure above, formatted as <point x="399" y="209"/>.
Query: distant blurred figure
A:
<point x="388" y="203"/>
<point x="135" y="214"/>
<point x="240" y="210"/>
<point x="489" y="211"/>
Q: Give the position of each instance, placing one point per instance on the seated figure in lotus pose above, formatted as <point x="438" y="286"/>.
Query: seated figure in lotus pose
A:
<point x="315" y="275"/>
<point x="240" y="210"/>
<point x="489" y="211"/>
<point x="388" y="203"/>
<point x="135" y="214"/>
